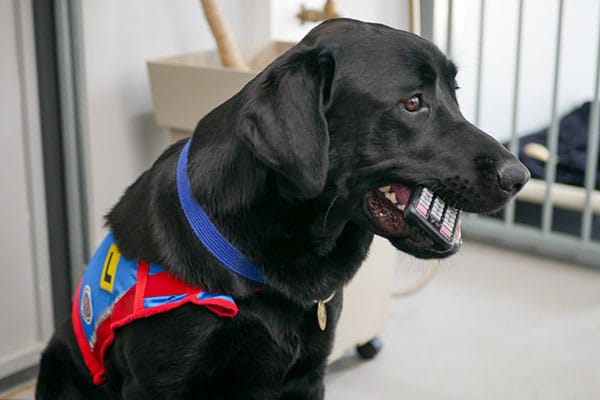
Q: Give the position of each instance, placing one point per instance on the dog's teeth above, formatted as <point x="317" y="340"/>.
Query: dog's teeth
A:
<point x="401" y="207"/>
<point x="391" y="196"/>
<point x="385" y="189"/>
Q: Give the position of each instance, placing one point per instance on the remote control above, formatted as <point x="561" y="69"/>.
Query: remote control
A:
<point x="437" y="221"/>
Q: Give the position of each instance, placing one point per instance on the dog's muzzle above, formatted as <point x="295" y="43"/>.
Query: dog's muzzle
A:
<point x="386" y="208"/>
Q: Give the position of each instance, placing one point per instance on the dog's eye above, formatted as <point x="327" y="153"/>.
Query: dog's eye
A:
<point x="414" y="103"/>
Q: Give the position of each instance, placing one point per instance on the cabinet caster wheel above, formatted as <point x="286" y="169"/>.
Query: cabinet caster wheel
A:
<point x="370" y="349"/>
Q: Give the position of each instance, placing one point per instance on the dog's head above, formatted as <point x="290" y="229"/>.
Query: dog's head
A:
<point x="356" y="107"/>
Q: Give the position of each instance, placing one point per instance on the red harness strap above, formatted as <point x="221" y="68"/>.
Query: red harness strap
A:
<point x="152" y="294"/>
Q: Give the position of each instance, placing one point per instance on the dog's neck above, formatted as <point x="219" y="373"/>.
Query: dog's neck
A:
<point x="298" y="253"/>
<point x="294" y="241"/>
<point x="206" y="231"/>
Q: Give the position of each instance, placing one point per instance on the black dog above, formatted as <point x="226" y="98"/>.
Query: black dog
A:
<point x="289" y="171"/>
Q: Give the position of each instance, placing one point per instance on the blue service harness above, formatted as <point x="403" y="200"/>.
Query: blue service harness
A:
<point x="115" y="291"/>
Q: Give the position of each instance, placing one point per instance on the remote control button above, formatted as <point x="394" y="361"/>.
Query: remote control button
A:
<point x="422" y="209"/>
<point x="437" y="211"/>
<point x="446" y="232"/>
<point x="448" y="225"/>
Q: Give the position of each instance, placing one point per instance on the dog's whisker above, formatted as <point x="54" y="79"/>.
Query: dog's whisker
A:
<point x="328" y="211"/>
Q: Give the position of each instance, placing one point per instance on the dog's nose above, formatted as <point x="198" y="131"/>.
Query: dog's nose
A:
<point x="512" y="176"/>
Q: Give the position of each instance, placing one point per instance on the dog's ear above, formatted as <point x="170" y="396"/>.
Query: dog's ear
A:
<point x="283" y="119"/>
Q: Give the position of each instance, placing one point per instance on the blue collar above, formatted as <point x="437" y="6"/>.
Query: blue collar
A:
<point x="208" y="234"/>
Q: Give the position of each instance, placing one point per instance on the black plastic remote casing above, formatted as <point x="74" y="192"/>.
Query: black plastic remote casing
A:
<point x="436" y="220"/>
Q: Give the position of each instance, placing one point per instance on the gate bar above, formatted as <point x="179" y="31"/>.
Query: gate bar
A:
<point x="509" y="213"/>
<point x="479" y="63"/>
<point x="592" y="155"/>
<point x="552" y="141"/>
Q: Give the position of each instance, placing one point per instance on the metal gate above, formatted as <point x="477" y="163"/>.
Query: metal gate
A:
<point x="552" y="216"/>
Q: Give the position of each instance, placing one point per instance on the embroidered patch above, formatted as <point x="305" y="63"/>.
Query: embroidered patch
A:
<point x="86" y="305"/>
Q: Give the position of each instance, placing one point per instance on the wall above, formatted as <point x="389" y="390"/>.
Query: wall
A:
<point x="285" y="24"/>
<point x="577" y="62"/>
<point x="118" y="38"/>
<point x="26" y="312"/>
<point x="17" y="257"/>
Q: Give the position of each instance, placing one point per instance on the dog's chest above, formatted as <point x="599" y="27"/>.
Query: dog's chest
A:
<point x="294" y="330"/>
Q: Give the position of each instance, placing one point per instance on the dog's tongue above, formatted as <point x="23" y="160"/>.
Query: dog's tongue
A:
<point x="402" y="193"/>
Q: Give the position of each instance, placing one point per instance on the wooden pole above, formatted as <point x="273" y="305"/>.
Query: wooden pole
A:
<point x="228" y="51"/>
